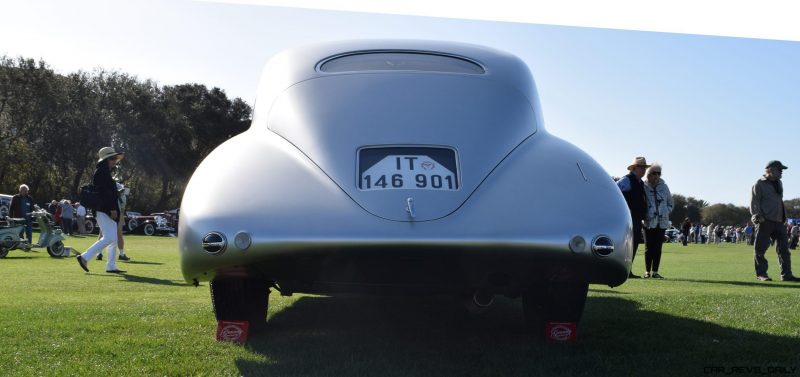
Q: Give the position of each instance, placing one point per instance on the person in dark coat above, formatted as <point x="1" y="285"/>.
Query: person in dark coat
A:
<point x="686" y="227"/>
<point x="632" y="189"/>
<point x="769" y="216"/>
<point x="21" y="205"/>
<point x="106" y="212"/>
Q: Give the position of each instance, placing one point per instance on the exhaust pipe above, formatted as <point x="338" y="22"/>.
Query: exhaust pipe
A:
<point x="482" y="299"/>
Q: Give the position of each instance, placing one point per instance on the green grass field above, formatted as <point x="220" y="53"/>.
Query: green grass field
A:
<point x="708" y="317"/>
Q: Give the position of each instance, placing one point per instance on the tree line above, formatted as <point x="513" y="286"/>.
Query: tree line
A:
<point x="698" y="210"/>
<point x="729" y="214"/>
<point x="52" y="125"/>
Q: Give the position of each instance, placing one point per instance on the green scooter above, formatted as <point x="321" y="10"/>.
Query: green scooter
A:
<point x="49" y="237"/>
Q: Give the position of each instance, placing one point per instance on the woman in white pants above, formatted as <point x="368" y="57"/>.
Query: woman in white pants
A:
<point x="106" y="211"/>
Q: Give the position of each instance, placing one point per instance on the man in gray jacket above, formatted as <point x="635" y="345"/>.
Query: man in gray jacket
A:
<point x="769" y="215"/>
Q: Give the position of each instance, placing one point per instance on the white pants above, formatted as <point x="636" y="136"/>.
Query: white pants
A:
<point x="108" y="227"/>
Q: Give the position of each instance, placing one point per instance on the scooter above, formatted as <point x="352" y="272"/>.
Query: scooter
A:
<point x="49" y="237"/>
<point x="9" y="235"/>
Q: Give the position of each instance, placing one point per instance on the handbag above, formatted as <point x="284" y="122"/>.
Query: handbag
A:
<point x="89" y="196"/>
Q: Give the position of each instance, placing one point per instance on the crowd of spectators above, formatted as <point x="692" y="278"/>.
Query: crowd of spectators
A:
<point x="716" y="234"/>
<point x="71" y="217"/>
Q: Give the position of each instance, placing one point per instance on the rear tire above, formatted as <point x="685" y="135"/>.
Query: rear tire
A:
<point x="475" y="308"/>
<point x="3" y="251"/>
<point x="554" y="302"/>
<point x="56" y="249"/>
<point x="8" y="242"/>
<point x="241" y="300"/>
<point x="88" y="226"/>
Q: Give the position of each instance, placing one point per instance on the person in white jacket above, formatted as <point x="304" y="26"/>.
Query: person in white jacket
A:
<point x="659" y="206"/>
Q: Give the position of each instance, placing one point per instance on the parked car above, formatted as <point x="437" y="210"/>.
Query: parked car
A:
<point x="155" y="223"/>
<point x="5" y="204"/>
<point x="673" y="234"/>
<point x="132" y="220"/>
<point x="173" y="216"/>
<point x="402" y="166"/>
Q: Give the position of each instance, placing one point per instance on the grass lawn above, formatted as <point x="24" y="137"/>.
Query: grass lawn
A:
<point x="708" y="317"/>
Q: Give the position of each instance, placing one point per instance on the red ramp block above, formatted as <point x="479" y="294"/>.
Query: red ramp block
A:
<point x="561" y="332"/>
<point x="232" y="331"/>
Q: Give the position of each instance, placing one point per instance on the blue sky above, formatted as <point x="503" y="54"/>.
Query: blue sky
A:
<point x="711" y="110"/>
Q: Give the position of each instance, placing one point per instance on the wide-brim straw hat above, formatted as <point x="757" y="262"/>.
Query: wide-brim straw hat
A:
<point x="638" y="161"/>
<point x="106" y="153"/>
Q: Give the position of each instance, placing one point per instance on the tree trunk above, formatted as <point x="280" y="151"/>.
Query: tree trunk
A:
<point x="162" y="200"/>
<point x="76" y="183"/>
<point x="35" y="185"/>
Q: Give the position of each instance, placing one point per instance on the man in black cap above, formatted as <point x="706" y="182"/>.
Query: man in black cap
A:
<point x="769" y="216"/>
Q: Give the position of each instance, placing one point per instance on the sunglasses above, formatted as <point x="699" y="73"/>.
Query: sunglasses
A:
<point x="655" y="173"/>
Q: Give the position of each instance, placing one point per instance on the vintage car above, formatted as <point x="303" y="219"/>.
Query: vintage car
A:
<point x="672" y="235"/>
<point x="390" y="166"/>
<point x="155" y="223"/>
<point x="132" y="220"/>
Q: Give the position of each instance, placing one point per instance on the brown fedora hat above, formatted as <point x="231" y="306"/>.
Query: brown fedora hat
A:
<point x="638" y="161"/>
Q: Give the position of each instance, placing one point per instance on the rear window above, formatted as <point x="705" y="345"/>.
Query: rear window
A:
<point x="400" y="61"/>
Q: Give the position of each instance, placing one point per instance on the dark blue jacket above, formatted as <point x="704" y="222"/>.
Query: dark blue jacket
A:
<point x="18" y="208"/>
<point x="107" y="187"/>
<point x="634" y="196"/>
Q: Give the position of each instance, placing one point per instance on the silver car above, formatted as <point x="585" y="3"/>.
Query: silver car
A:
<point x="389" y="166"/>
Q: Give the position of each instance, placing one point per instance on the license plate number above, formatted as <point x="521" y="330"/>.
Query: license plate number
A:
<point x="408" y="168"/>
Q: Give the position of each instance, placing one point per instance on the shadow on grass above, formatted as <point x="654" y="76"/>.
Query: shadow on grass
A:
<point x="761" y="284"/>
<point x="324" y="336"/>
<point x="11" y="257"/>
<point x="141" y="262"/>
<point x="150" y="280"/>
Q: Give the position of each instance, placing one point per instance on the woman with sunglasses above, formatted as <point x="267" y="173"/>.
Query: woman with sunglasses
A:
<point x="659" y="205"/>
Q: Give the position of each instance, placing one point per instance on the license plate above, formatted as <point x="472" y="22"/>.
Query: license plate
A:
<point x="411" y="168"/>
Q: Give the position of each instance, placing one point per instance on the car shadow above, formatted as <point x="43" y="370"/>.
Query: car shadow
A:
<point x="608" y="291"/>
<point x="380" y="336"/>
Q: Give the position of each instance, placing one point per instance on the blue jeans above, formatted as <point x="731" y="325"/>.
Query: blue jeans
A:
<point x="28" y="230"/>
